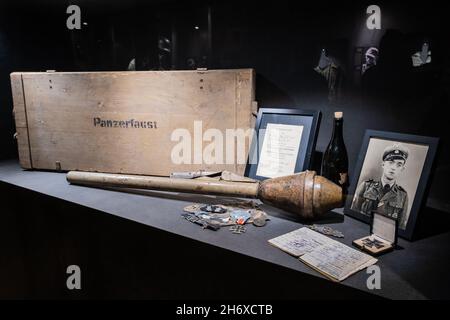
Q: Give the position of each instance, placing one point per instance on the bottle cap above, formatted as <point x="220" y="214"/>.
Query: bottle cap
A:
<point x="338" y="115"/>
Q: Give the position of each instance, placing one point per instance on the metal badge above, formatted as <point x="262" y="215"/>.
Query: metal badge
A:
<point x="259" y="222"/>
<point x="205" y="224"/>
<point x="373" y="243"/>
<point x="326" y="231"/>
<point x="238" y="229"/>
<point x="213" y="208"/>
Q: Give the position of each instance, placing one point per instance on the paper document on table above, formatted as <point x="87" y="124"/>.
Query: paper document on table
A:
<point x="279" y="150"/>
<point x="337" y="261"/>
<point x="299" y="242"/>
<point x="331" y="258"/>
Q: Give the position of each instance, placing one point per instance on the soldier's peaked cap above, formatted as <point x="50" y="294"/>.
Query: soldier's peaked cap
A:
<point x="396" y="151"/>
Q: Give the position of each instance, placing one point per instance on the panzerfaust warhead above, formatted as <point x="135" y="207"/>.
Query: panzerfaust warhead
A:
<point x="304" y="194"/>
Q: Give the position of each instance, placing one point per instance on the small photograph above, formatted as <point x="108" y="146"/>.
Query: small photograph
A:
<point x="391" y="178"/>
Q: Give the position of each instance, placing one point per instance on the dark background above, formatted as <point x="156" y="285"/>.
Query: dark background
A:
<point x="282" y="40"/>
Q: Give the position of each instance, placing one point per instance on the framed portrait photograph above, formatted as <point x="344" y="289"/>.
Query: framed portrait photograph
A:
<point x="285" y="143"/>
<point x="390" y="177"/>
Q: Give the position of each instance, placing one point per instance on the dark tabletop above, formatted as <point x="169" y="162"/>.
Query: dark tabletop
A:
<point x="418" y="270"/>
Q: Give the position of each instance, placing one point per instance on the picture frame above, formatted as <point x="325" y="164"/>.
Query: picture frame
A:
<point x="391" y="175"/>
<point x="268" y="121"/>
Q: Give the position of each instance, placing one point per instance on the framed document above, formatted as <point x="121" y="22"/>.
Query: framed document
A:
<point x="284" y="144"/>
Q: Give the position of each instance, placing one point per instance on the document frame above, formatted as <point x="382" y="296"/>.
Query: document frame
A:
<point x="295" y="153"/>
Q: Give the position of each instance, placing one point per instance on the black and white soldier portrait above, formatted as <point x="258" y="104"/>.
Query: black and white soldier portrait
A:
<point x="389" y="178"/>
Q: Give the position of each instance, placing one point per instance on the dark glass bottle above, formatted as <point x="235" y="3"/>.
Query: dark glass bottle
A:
<point x="335" y="159"/>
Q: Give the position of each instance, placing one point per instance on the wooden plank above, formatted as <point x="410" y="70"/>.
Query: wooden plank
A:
<point x="20" y="116"/>
<point x="244" y="105"/>
<point x="63" y="112"/>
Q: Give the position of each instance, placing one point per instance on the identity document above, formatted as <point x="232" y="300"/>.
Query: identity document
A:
<point x="333" y="259"/>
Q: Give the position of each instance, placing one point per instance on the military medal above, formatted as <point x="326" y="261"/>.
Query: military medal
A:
<point x="326" y="231"/>
<point x="238" y="229"/>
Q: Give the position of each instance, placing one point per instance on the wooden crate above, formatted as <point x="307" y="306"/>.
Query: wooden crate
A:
<point x="121" y="122"/>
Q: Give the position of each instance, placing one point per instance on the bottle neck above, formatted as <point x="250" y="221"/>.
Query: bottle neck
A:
<point x="338" y="130"/>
